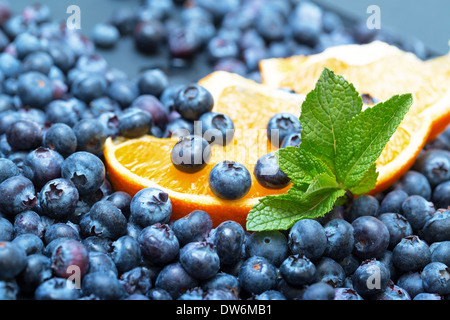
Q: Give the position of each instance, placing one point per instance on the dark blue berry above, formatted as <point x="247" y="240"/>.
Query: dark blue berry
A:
<point x="437" y="228"/>
<point x="6" y="230"/>
<point x="371" y="278"/>
<point x="152" y="82"/>
<point x="272" y="245"/>
<point x="158" y="294"/>
<point x="222" y="280"/>
<point x="319" y="291"/>
<point x="37" y="271"/>
<point x="216" y="128"/>
<point x="346" y="294"/>
<point x="91" y="135"/>
<point x="105" y="286"/>
<point x="18" y="195"/>
<point x="440" y="252"/>
<point x="126" y="253"/>
<point x="24" y="135"/>
<point x="411" y="254"/>
<point x="411" y="282"/>
<point x="434" y="164"/>
<point x="364" y="205"/>
<point x="56" y="289"/>
<point x="175" y="280"/>
<point x="121" y="200"/>
<point x="107" y="221"/>
<point x="417" y="210"/>
<point x="105" y="35"/>
<point x="88" y="86"/>
<point x="190" y="154"/>
<point x="61" y="138"/>
<point x="340" y="239"/>
<point x="268" y="173"/>
<point x="137" y="280"/>
<point x="428" y="296"/>
<point x="415" y="183"/>
<point x="34" y="89"/>
<point x="159" y="244"/>
<point x="31" y="243"/>
<point x="441" y="195"/>
<point x="371" y="237"/>
<point x="229" y="237"/>
<point x="101" y="262"/>
<point x="13" y="259"/>
<point x="179" y="127"/>
<point x="60" y="230"/>
<point x="134" y="123"/>
<point x="329" y="271"/>
<point x="148" y="36"/>
<point x="42" y="165"/>
<point x="270" y="295"/>
<point x="297" y="270"/>
<point x="281" y="126"/>
<point x="436" y="278"/>
<point x="192" y="101"/>
<point x="307" y="237"/>
<point x="8" y="169"/>
<point x="229" y="180"/>
<point x="292" y="140"/>
<point x="398" y="227"/>
<point x="257" y="275"/>
<point x="392" y="201"/>
<point x="200" y="260"/>
<point x="149" y="206"/>
<point x="194" y="226"/>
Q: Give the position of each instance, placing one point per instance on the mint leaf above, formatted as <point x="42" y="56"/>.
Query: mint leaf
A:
<point x="364" y="137"/>
<point x="367" y="183"/>
<point x="325" y="112"/>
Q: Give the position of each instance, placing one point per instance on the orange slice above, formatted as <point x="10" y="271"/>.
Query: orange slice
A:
<point x="378" y="69"/>
<point x="145" y="162"/>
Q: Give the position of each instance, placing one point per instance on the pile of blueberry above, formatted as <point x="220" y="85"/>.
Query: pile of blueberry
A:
<point x="65" y="233"/>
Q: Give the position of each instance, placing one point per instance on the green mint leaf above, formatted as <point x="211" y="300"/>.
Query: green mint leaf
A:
<point x="367" y="183"/>
<point x="364" y="137"/>
<point x="301" y="166"/>
<point x="325" y="112"/>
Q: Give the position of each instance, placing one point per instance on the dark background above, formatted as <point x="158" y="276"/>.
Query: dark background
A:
<point x="427" y="21"/>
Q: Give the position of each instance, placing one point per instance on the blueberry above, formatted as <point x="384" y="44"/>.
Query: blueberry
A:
<point x="292" y="140"/>
<point x="229" y="238"/>
<point x="85" y="170"/>
<point x="229" y="180"/>
<point x="417" y="210"/>
<point x="31" y="243"/>
<point x="10" y="66"/>
<point x="415" y="183"/>
<point x="159" y="244"/>
<point x="13" y="259"/>
<point x="56" y="289"/>
<point x="398" y="227"/>
<point x="195" y="293"/>
<point x="441" y="195"/>
<point x="411" y="254"/>
<point x="194" y="226"/>
<point x="123" y="91"/>
<point x="105" y="286"/>
<point x="18" y="195"/>
<point x="8" y="169"/>
<point x="148" y="36"/>
<point x="371" y="278"/>
<point x="371" y="237"/>
<point x="6" y="230"/>
<point x="307" y="237"/>
<point x="91" y="135"/>
<point x="121" y="200"/>
<point x="192" y="101"/>
<point x="440" y="252"/>
<point x="282" y="125"/>
<point x="137" y="280"/>
<point x="306" y="23"/>
<point x="190" y="154"/>
<point x="220" y="47"/>
<point x="62" y="56"/>
<point x="175" y="280"/>
<point x="297" y="270"/>
<point x="61" y="138"/>
<point x="149" y="206"/>
<point x="271" y="24"/>
<point x="179" y="127"/>
<point x="101" y="262"/>
<point x="60" y="230"/>
<point x="42" y="165"/>
<point x="411" y="282"/>
<point x="97" y="244"/>
<point x="88" y="86"/>
<point x="126" y="253"/>
<point x="340" y="239"/>
<point x="37" y="271"/>
<point x="346" y="294"/>
<point x="268" y="173"/>
<point x="272" y="245"/>
<point x="66" y="112"/>
<point x="319" y="291"/>
<point x="428" y="296"/>
<point x="216" y="128"/>
<point x="437" y="227"/>
<point x="364" y="205"/>
<point x="70" y="257"/>
<point x="158" y="294"/>
<point x="434" y="164"/>
<point x="436" y="278"/>
<point x="28" y="222"/>
<point x="349" y="263"/>
<point x="134" y="123"/>
<point x="329" y="271"/>
<point x="222" y="280"/>
<point x="107" y="221"/>
<point x="152" y="82"/>
<point x="257" y="275"/>
<point x="24" y="135"/>
<point x="183" y="42"/>
<point x="392" y="201"/>
<point x="105" y="35"/>
<point x="200" y="259"/>
<point x="34" y="89"/>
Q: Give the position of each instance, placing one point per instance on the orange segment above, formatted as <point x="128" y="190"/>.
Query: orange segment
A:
<point x="145" y="162"/>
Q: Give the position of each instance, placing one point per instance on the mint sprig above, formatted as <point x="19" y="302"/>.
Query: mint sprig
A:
<point x="340" y="144"/>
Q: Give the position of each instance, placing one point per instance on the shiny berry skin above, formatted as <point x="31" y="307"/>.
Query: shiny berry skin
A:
<point x="58" y="198"/>
<point x="107" y="221"/>
<point x="8" y="169"/>
<point x="192" y="101"/>
<point x="149" y="206"/>
<point x="415" y="183"/>
<point x="18" y="195"/>
<point x="175" y="280"/>
<point x="91" y="135"/>
<point x="126" y="253"/>
<point x="257" y="275"/>
<point x="134" y="123"/>
<point x="42" y="165"/>
<point x="148" y="36"/>
<point x="159" y="244"/>
<point x="441" y="195"/>
<point x="6" y="230"/>
<point x="340" y="239"/>
<point x="371" y="237"/>
<point x="200" y="260"/>
<point x="297" y="270"/>
<point x="13" y="259"/>
<point x="229" y="180"/>
<point x="417" y="210"/>
<point x="392" y="201"/>
<point x="363" y="278"/>
<point x="56" y="289"/>
<point x="434" y="164"/>
<point x="437" y="228"/>
<point x="364" y="205"/>
<point x="398" y="227"/>
<point x="229" y="237"/>
<point x="194" y="226"/>
<point x="329" y="271"/>
<point x="24" y="135"/>
<point x="216" y="128"/>
<point x="307" y="237"/>
<point x="436" y="278"/>
<point x="68" y="254"/>
<point x="280" y="126"/>
<point x="151" y="104"/>
<point x="346" y="294"/>
<point x="105" y="35"/>
<point x="105" y="286"/>
<point x="137" y="280"/>
<point x="190" y="154"/>
<point x="152" y="82"/>
<point x="268" y="173"/>
<point x="292" y="140"/>
<point x="61" y="138"/>
<point x="411" y="254"/>
<point x="319" y="291"/>
<point x="272" y="245"/>
<point x="34" y="89"/>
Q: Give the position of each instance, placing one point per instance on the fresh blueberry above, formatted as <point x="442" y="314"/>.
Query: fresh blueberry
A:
<point x="13" y="259"/>
<point x="24" y="135"/>
<point x="272" y="245"/>
<point x="298" y="270"/>
<point x="216" y="128"/>
<point x="192" y="101"/>
<point x="257" y="275"/>
<point x="56" y="289"/>
<point x="8" y="169"/>
<point x="123" y="91"/>
<point x="220" y="47"/>
<point x="159" y="244"/>
<point x="105" y="286"/>
<point x="152" y="82"/>
<point x="392" y="201"/>
<point x="434" y="164"/>
<point x="151" y="104"/>
<point x="6" y="230"/>
<point x="270" y="295"/>
<point x="179" y="127"/>
<point x="329" y="271"/>
<point x="200" y="259"/>
<point x="105" y="35"/>
<point x="158" y="294"/>
<point x="101" y="262"/>
<point x="134" y="123"/>
<point x="229" y="237"/>
<point x="42" y="165"/>
<point x="61" y="138"/>
<point x="29" y="222"/>
<point x="349" y="263"/>
<point x="34" y="89"/>
<point x="281" y="126"/>
<point x="10" y="66"/>
<point x="437" y="227"/>
<point x="428" y="296"/>
<point x="175" y="280"/>
<point x="39" y="61"/>
<point x="88" y="86"/>
<point x="268" y="173"/>
<point x="85" y="170"/>
<point x="436" y="278"/>
<point x="60" y="111"/>
<point x="31" y="243"/>
<point x="222" y="280"/>
<point x="121" y="200"/>
<point x="137" y="280"/>
<point x="398" y="227"/>
<point x="229" y="180"/>
<point x="183" y="42"/>
<point x="346" y="294"/>
<point x="191" y="154"/>
<point x="307" y="237"/>
<point x="195" y="293"/>
<point x="371" y="237"/>
<point x="306" y="23"/>
<point x="415" y="183"/>
<point x="411" y="254"/>
<point x="371" y="278"/>
<point x="364" y="205"/>
<point x="149" y="206"/>
<point x="417" y="210"/>
<point x="319" y="291"/>
<point x="440" y="252"/>
<point x="18" y="195"/>
<point x="126" y="253"/>
<point x="106" y="220"/>
<point x="441" y="195"/>
<point x="91" y="135"/>
<point x="60" y="230"/>
<point x="292" y="140"/>
<point x="393" y="292"/>
<point x="411" y="282"/>
<point x="194" y="226"/>
<point x="37" y="271"/>
<point x="340" y="239"/>
<point x="148" y="36"/>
